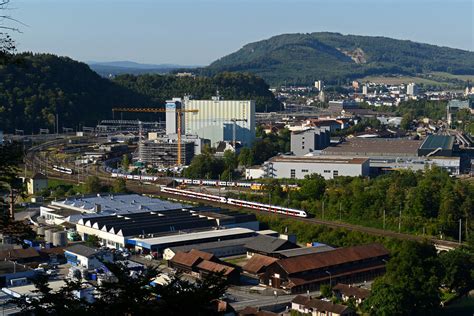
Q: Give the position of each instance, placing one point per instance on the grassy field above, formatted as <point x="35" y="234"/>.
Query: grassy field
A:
<point x="451" y="76"/>
<point x="402" y="79"/>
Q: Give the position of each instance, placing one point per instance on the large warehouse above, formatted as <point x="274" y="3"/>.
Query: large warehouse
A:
<point x="298" y="167"/>
<point x="344" y="265"/>
<point x="216" y="120"/>
<point x="72" y="209"/>
<point x="397" y="153"/>
<point x="153" y="229"/>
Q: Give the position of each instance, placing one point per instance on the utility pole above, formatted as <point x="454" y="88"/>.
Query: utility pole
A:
<point x="323" y="210"/>
<point x="400" y="219"/>
<point x="340" y="212"/>
<point x="460" y="230"/>
<point x="384" y="218"/>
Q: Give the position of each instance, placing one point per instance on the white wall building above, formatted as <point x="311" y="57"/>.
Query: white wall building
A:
<point x="87" y="257"/>
<point x="329" y="168"/>
<point x="254" y="172"/>
<point x="412" y="89"/>
<point x="215" y="120"/>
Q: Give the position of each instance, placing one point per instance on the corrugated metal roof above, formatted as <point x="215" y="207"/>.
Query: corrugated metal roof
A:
<point x="331" y="258"/>
<point x="214" y="267"/>
<point x="257" y="263"/>
<point x="438" y="141"/>
<point x="266" y="244"/>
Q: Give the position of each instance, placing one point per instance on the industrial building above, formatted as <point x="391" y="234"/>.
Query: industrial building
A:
<point x="221" y="248"/>
<point x="437" y="145"/>
<point x="307" y="272"/>
<point x="90" y="258"/>
<point x="454" y="106"/>
<point x="220" y="120"/>
<point x="37" y="183"/>
<point x="157" y="230"/>
<point x="310" y="140"/>
<point x="199" y="143"/>
<point x="337" y="106"/>
<point x="72" y="209"/>
<point x="164" y="152"/>
<point x="298" y="167"/>
<point x="391" y="154"/>
<point x="159" y="244"/>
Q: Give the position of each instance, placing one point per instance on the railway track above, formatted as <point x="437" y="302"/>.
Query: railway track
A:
<point x="153" y="190"/>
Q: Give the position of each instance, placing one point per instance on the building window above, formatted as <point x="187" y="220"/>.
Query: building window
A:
<point x="327" y="171"/>
<point x="335" y="173"/>
<point x="292" y="173"/>
<point x="304" y="170"/>
<point x="302" y="147"/>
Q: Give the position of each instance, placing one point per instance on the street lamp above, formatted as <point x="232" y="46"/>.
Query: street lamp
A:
<point x="330" y="278"/>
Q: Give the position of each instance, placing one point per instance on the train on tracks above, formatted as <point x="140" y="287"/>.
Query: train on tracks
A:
<point x="63" y="169"/>
<point x="236" y="202"/>
<point x="218" y="183"/>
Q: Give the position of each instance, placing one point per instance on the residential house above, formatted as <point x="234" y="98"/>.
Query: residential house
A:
<point x="315" y="307"/>
<point x="346" y="292"/>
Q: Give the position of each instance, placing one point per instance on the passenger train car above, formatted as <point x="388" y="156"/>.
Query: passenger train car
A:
<point x="242" y="203"/>
<point x="218" y="183"/>
<point x="62" y="169"/>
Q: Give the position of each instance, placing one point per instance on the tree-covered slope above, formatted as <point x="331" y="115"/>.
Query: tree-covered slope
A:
<point x="303" y="58"/>
<point x="36" y="87"/>
<point x="33" y="88"/>
<point x="230" y="86"/>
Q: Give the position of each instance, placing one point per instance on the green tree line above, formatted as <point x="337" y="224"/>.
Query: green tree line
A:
<point x="428" y="201"/>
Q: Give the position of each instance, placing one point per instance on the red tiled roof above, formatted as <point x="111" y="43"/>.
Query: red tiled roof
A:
<point x="214" y="267"/>
<point x="258" y="262"/>
<point x="331" y="258"/>
<point x="320" y="305"/>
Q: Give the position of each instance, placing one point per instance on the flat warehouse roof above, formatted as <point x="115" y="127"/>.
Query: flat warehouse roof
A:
<point x="122" y="203"/>
<point x="375" y="147"/>
<point x="324" y="160"/>
<point x="191" y="236"/>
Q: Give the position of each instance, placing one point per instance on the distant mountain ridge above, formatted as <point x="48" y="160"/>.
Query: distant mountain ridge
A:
<point x="114" y="68"/>
<point x="303" y="58"/>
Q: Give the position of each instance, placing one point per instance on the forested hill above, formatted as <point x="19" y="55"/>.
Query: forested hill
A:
<point x="303" y="58"/>
<point x="34" y="88"/>
<point x="37" y="86"/>
<point x="230" y="85"/>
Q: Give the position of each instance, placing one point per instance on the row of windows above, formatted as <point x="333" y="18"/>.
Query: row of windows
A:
<point x="335" y="173"/>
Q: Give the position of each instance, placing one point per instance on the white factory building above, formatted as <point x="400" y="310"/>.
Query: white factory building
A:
<point x="219" y="120"/>
<point x="298" y="167"/>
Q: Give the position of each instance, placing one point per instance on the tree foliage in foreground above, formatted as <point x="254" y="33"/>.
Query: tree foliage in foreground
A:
<point x="128" y="294"/>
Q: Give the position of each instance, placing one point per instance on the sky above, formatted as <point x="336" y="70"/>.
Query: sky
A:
<point x="197" y="32"/>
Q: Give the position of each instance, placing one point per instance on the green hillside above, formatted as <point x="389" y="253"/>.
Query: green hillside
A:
<point x="34" y="87"/>
<point x="303" y="58"/>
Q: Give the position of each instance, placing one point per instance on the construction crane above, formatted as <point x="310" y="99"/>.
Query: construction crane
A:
<point x="161" y="110"/>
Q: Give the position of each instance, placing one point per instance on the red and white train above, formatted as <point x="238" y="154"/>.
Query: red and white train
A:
<point x="242" y="203"/>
